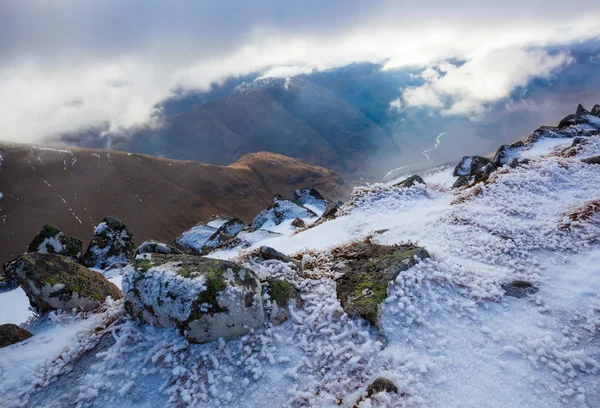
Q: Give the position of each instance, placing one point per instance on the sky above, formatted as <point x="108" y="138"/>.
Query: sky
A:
<point x="67" y="65"/>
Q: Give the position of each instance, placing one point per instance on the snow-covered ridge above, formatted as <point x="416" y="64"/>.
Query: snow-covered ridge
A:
<point x="453" y="332"/>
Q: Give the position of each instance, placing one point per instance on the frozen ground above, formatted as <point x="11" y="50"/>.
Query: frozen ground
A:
<point x="451" y="337"/>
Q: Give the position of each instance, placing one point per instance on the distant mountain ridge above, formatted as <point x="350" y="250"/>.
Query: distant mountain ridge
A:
<point x="158" y="198"/>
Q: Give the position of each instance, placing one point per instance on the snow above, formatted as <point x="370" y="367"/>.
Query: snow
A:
<point x="14" y="307"/>
<point x="451" y="337"/>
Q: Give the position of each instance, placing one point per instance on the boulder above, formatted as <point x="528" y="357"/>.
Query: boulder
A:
<point x="596" y="111"/>
<point x="224" y="235"/>
<point x="155" y="247"/>
<point x="205" y="298"/>
<point x="266" y="253"/>
<point x="381" y="385"/>
<point x="281" y="210"/>
<point x="474" y="168"/>
<point x="591" y="160"/>
<point x="506" y="153"/>
<point x="461" y="181"/>
<point x="331" y="211"/>
<point x="368" y="268"/>
<point x="298" y="223"/>
<point x="410" y="181"/>
<point x="56" y="282"/>
<point x="11" y="334"/>
<point x="112" y="242"/>
<point x="191" y="241"/>
<point x="51" y="240"/>
<point x="519" y="288"/>
<point x="311" y="196"/>
<point x="578" y="140"/>
<point x="282" y="295"/>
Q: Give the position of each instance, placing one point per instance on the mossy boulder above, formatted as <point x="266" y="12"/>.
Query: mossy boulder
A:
<point x="368" y="269"/>
<point x="411" y="181"/>
<point x="54" y="281"/>
<point x="11" y="334"/>
<point x="205" y="298"/>
<point x="51" y="240"/>
<point x="155" y="247"/>
<point x="282" y="294"/>
<point x="112" y="242"/>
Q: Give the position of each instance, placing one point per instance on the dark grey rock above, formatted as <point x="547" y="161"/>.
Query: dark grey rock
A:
<point x="519" y="288"/>
<point x="11" y="334"/>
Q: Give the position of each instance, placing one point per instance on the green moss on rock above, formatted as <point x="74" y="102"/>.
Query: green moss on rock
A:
<point x="368" y="269"/>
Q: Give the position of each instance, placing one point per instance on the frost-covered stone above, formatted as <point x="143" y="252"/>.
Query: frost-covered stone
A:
<point x="473" y="168"/>
<point x="155" y="247"/>
<point x="206" y="298"/>
<point x="331" y="210"/>
<point x="298" y="223"/>
<point x="51" y="240"/>
<point x="311" y="197"/>
<point x="411" y="181"/>
<point x="368" y="268"/>
<point x="266" y="253"/>
<point x="281" y="210"/>
<point x="56" y="282"/>
<point x="112" y="242"/>
<point x="11" y="334"/>
<point x="224" y="235"/>
<point x="192" y="240"/>
<point x="506" y="153"/>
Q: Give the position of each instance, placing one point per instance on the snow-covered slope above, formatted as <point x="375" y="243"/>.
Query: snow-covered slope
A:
<point x="451" y="335"/>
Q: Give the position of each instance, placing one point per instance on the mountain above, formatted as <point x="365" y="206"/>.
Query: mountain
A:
<point x="158" y="198"/>
<point x="413" y="295"/>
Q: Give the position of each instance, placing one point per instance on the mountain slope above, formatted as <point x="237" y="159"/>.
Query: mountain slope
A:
<point x="157" y="198"/>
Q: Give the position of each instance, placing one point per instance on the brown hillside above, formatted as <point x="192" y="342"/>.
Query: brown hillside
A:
<point x="74" y="189"/>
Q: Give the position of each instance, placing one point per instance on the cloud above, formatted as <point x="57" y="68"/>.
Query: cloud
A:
<point x="66" y="65"/>
<point x="468" y="88"/>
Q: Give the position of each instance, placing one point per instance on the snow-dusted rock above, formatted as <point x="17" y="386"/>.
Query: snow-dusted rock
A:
<point x="506" y="153"/>
<point x="56" y="282"/>
<point x="368" y="268"/>
<point x="519" y="288"/>
<point x="112" y="242"/>
<point x="224" y="235"/>
<point x="312" y="197"/>
<point x="192" y="240"/>
<point x="381" y="385"/>
<point x="331" y="210"/>
<point x="472" y="168"/>
<point x="266" y="253"/>
<point x="410" y="181"/>
<point x="51" y="240"/>
<point x="11" y="334"/>
<point x="281" y="210"/>
<point x="298" y="223"/>
<point x="155" y="247"/>
<point x="206" y="298"/>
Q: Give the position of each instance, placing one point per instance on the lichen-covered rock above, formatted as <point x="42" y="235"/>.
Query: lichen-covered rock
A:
<point x="368" y="268"/>
<point x="155" y="247"/>
<point x="281" y="210"/>
<point x="381" y="385"/>
<point x="56" y="282"/>
<point x="411" y="181"/>
<point x="11" y="334"/>
<point x="206" y="298"/>
<point x="112" y="242"/>
<point x="51" y="240"/>
<point x="282" y="295"/>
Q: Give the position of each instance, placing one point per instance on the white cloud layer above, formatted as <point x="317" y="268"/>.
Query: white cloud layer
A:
<point x="69" y="64"/>
<point x="465" y="90"/>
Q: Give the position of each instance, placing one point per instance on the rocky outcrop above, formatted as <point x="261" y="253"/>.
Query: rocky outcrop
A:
<point x="265" y="253"/>
<point x="410" y="182"/>
<point x="368" y="268"/>
<point x="281" y="210"/>
<point x="11" y="334"/>
<point x="506" y="153"/>
<point x="56" y="282"/>
<point x="205" y="298"/>
<point x="311" y="196"/>
<point x="154" y="247"/>
<point x="472" y="169"/>
<point x="331" y="210"/>
<point x="51" y="240"/>
<point x="112" y="243"/>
